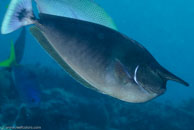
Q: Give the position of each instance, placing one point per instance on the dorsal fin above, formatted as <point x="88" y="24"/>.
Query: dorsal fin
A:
<point x="86" y="10"/>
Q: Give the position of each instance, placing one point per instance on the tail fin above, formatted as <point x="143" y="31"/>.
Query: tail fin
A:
<point x="169" y="76"/>
<point x="19" y="13"/>
<point x="12" y="59"/>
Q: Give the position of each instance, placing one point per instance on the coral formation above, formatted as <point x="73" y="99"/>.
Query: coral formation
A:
<point x="66" y="105"/>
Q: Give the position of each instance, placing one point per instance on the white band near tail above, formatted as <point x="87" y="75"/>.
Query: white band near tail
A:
<point x="19" y="14"/>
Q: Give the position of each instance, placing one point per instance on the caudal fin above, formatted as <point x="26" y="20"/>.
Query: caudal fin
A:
<point x="12" y="58"/>
<point x="19" y="13"/>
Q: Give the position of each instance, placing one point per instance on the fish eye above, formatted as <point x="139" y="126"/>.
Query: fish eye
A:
<point x="33" y="100"/>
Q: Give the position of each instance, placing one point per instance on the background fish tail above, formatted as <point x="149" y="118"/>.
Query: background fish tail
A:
<point x="11" y="60"/>
<point x="16" y="51"/>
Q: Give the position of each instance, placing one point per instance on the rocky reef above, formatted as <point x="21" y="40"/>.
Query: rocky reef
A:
<point x="66" y="105"/>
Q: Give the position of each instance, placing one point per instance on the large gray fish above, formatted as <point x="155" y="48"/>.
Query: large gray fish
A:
<point x="98" y="57"/>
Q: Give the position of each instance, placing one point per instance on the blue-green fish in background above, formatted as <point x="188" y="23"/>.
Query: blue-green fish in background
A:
<point x="97" y="56"/>
<point x="24" y="80"/>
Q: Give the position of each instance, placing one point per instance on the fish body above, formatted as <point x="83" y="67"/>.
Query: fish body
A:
<point x="94" y="53"/>
<point x="99" y="57"/>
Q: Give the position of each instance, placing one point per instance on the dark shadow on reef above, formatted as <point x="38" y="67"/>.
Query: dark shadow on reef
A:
<point x="66" y="105"/>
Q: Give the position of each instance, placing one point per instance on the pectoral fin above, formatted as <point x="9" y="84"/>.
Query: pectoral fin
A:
<point x="122" y="73"/>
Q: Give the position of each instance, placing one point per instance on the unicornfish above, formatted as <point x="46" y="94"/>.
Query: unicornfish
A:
<point x="97" y="56"/>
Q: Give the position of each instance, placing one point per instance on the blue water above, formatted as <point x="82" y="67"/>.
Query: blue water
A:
<point x="164" y="27"/>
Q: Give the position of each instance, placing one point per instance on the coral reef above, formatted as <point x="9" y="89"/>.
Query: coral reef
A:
<point x="66" y="105"/>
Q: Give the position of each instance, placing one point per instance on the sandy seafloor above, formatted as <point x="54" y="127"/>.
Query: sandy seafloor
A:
<point x="164" y="27"/>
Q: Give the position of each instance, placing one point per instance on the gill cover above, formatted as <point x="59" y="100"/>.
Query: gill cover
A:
<point x="151" y="81"/>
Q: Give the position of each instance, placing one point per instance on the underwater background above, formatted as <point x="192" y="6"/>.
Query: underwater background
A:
<point x="164" y="27"/>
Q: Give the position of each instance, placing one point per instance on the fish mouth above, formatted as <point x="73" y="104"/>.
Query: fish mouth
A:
<point x="151" y="89"/>
<point x="156" y="91"/>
